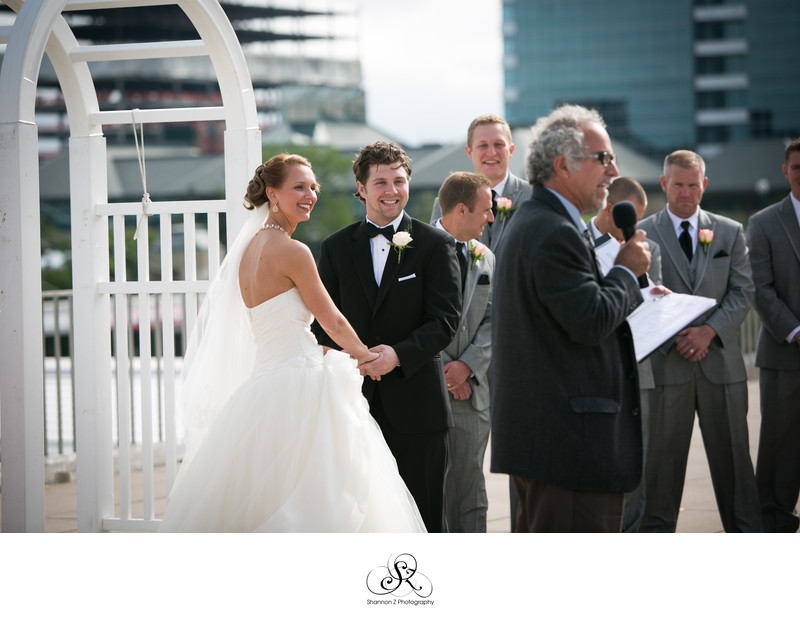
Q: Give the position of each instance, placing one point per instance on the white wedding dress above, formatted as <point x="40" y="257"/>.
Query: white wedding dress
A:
<point x="294" y="449"/>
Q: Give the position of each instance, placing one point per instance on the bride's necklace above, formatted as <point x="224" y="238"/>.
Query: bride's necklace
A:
<point x="274" y="225"/>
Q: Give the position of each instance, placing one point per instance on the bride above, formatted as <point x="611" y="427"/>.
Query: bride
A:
<point x="279" y="437"/>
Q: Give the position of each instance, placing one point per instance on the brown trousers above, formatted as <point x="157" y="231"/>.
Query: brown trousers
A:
<point x="546" y="507"/>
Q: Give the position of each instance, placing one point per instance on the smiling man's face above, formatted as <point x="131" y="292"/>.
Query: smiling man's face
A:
<point x="490" y="151"/>
<point x="385" y="192"/>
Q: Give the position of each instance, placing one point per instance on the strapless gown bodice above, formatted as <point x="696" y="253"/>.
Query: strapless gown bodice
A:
<point x="282" y="331"/>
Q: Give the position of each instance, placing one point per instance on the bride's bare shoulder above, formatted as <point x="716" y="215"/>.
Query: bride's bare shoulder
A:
<point x="291" y="248"/>
<point x="284" y="254"/>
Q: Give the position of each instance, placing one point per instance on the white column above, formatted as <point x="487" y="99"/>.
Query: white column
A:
<point x="92" y="353"/>
<point x="242" y="156"/>
<point x="21" y="350"/>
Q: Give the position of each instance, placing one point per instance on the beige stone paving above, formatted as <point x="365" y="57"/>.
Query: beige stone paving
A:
<point x="698" y="510"/>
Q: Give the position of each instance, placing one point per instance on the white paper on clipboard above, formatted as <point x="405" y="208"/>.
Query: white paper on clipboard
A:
<point x="659" y="318"/>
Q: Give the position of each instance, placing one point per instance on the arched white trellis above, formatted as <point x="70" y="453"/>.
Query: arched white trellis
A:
<point x="40" y="27"/>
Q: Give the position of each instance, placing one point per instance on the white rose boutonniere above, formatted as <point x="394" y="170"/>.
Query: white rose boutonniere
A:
<point x="401" y="241"/>
<point x="476" y="250"/>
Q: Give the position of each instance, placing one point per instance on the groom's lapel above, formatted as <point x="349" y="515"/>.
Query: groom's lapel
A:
<point x="362" y="259"/>
<point x="392" y="268"/>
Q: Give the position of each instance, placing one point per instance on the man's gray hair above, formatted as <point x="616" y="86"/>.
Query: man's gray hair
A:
<point x="560" y="133"/>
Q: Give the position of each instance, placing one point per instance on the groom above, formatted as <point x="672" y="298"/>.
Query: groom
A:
<point x="398" y="283"/>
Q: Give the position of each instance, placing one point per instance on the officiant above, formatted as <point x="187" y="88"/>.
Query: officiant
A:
<point x="566" y="424"/>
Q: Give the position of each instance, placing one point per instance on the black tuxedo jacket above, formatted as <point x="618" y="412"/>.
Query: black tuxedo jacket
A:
<point x="564" y="384"/>
<point x="415" y="310"/>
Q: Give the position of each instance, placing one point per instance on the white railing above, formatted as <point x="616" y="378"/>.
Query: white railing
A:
<point x="59" y="386"/>
<point x="59" y="418"/>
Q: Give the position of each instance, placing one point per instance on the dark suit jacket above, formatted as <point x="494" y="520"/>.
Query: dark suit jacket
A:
<point x="565" y="390"/>
<point x="415" y="311"/>
<point x="774" y="238"/>
<point x="722" y="273"/>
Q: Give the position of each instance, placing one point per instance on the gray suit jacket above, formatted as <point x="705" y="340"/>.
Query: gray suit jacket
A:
<point x="473" y="341"/>
<point x="722" y="273"/>
<point x="565" y="390"/>
<point x="773" y="235"/>
<point x="518" y="191"/>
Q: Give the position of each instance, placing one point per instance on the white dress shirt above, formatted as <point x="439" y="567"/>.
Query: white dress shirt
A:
<point x="380" y="246"/>
<point x="606" y="251"/>
<point x="500" y="188"/>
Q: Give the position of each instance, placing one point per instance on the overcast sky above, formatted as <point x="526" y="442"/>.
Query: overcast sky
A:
<point x="430" y="66"/>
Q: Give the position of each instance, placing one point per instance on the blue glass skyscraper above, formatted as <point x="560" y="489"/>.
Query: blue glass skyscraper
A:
<point x="665" y="75"/>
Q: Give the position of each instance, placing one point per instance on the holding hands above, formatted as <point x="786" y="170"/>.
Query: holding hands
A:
<point x="385" y="361"/>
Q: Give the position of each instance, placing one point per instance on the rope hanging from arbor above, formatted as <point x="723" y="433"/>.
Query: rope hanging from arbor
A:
<point x="142" y="172"/>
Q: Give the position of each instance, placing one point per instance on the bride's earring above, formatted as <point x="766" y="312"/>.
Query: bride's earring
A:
<point x="274" y="207"/>
<point x="271" y="200"/>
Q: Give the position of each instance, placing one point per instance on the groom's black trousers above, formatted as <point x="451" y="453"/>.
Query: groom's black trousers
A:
<point x="421" y="461"/>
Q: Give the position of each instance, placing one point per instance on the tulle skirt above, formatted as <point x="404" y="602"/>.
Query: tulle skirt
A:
<point x="294" y="450"/>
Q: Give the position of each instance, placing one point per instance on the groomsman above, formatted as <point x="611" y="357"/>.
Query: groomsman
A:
<point x="397" y="281"/>
<point x="566" y="424"/>
<point x="774" y="238"/>
<point x="607" y="239"/>
<point x="466" y="202"/>
<point x="701" y="371"/>
<point x="490" y="147"/>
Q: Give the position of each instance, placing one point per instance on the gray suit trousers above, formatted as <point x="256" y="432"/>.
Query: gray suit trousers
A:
<point x="778" y="464"/>
<point x="465" y="500"/>
<point x="722" y="414"/>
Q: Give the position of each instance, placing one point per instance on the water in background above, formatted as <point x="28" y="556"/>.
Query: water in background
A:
<point x="58" y="408"/>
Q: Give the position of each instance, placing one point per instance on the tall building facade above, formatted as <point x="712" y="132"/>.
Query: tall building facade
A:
<point x="682" y="74"/>
<point x="301" y="55"/>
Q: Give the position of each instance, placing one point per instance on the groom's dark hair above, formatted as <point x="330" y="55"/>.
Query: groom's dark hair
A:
<point x="378" y="153"/>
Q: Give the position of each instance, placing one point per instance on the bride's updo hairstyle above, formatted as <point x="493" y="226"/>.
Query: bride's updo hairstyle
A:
<point x="270" y="174"/>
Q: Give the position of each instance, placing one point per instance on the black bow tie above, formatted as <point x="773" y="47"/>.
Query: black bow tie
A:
<point x="374" y="231"/>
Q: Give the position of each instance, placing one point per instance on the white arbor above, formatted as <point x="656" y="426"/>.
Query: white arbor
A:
<point x="40" y="27"/>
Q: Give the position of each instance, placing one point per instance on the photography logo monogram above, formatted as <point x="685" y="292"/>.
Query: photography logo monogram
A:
<point x="399" y="583"/>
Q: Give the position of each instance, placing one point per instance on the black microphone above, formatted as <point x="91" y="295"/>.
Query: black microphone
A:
<point x="625" y="219"/>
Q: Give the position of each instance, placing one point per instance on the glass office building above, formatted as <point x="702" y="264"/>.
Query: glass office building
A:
<point x="665" y="74"/>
